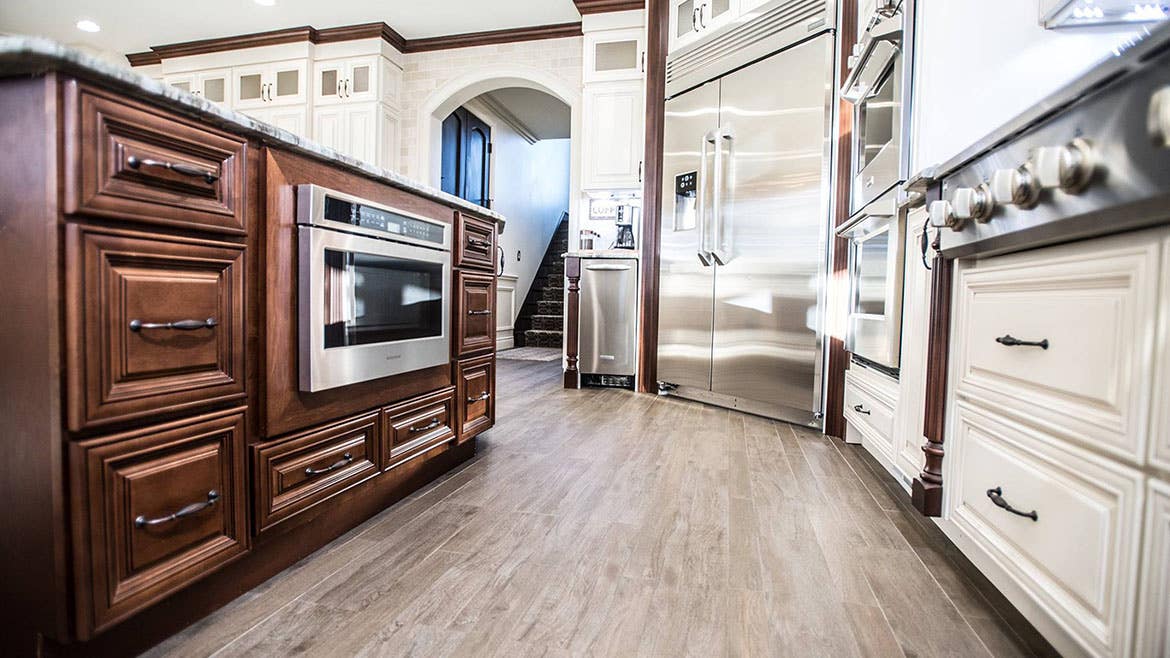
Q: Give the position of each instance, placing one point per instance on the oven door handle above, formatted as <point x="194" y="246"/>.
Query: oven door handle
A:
<point x="878" y="48"/>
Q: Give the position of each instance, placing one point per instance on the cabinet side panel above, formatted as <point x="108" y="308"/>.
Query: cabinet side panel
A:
<point x="32" y="523"/>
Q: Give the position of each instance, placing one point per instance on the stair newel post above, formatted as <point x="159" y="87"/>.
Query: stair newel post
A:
<point x="572" y="304"/>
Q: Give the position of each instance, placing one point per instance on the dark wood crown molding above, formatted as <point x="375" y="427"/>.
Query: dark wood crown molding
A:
<point x="352" y="32"/>
<point x="604" y="6"/>
<point x="510" y="35"/>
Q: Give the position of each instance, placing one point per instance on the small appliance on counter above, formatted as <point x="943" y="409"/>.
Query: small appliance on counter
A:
<point x="585" y="241"/>
<point x="625" y="227"/>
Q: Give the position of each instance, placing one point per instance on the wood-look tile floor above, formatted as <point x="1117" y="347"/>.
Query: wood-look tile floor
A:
<point x="600" y="522"/>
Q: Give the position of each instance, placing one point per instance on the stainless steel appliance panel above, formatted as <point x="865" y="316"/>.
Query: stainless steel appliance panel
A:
<point x="877" y="259"/>
<point x="875" y="86"/>
<point x="686" y="282"/>
<point x="771" y="229"/>
<point x="609" y="316"/>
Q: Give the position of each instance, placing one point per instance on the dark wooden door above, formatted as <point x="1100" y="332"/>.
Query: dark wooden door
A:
<point x="466" y="166"/>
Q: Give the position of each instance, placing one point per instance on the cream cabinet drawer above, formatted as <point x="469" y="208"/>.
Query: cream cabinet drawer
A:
<point x="1072" y="542"/>
<point x="1154" y="604"/>
<point x="1062" y="338"/>
<point x="870" y="408"/>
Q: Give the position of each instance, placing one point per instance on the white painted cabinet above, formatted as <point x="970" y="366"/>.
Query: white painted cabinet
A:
<point x="364" y="131"/>
<point x="270" y="84"/>
<point x="346" y="80"/>
<point x="1153" y="634"/>
<point x="690" y="20"/>
<point x="215" y="84"/>
<point x="871" y="405"/>
<point x="293" y="118"/>
<point x="613" y="135"/>
<point x="909" y="428"/>
<point x="615" y="55"/>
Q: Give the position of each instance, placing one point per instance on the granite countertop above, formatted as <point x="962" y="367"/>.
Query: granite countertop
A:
<point x="34" y="55"/>
<point x="602" y="253"/>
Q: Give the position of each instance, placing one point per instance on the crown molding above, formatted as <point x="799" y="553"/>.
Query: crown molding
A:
<point x="352" y="32"/>
<point x="605" y="6"/>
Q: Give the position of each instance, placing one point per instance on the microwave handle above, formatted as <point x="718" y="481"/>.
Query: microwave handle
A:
<point x="701" y="202"/>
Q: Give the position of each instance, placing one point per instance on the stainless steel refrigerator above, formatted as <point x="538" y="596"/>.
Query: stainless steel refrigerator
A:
<point x="745" y="224"/>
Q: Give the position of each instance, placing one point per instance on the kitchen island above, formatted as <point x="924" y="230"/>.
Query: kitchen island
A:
<point x="164" y="452"/>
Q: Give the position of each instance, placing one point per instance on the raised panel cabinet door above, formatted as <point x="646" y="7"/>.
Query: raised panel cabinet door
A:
<point x="475" y="312"/>
<point x="155" y="324"/>
<point x="287" y="82"/>
<point x="327" y="80"/>
<point x="475" y="395"/>
<point x="293" y="119"/>
<point x="1160" y="434"/>
<point x="155" y="510"/>
<point x="1153" y="635"/>
<point x="475" y="242"/>
<point x="614" y="55"/>
<point x="417" y="425"/>
<point x="130" y="161"/>
<point x="295" y="473"/>
<point x="361" y="128"/>
<point x="613" y="135"/>
<point x="250" y="86"/>
<point x="329" y="127"/>
<point x="388" y="144"/>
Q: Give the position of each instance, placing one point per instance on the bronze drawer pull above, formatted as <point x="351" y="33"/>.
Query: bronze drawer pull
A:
<point x="194" y="508"/>
<point x="134" y="162"/>
<point x="485" y="311"/>
<point x="482" y="396"/>
<point x="859" y="408"/>
<point x="1011" y="341"/>
<point x="996" y="496"/>
<point x="182" y="325"/>
<point x="429" y="426"/>
<point x="476" y="242"/>
<point x="345" y="459"/>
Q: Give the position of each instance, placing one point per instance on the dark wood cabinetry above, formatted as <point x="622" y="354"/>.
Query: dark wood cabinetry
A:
<point x="153" y="511"/>
<point x="417" y="425"/>
<point x="293" y="474"/>
<point x="155" y="324"/>
<point x="476" y="395"/>
<point x="127" y="160"/>
<point x="475" y="243"/>
<point x="475" y="313"/>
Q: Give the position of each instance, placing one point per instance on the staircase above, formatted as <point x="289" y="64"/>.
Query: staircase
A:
<point x="541" y="317"/>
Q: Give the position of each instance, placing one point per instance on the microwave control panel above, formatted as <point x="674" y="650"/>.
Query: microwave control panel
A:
<point x="384" y="221"/>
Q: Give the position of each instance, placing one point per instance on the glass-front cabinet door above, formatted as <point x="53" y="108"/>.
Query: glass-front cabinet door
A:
<point x="343" y="80"/>
<point x="614" y="55"/>
<point x="215" y="85"/>
<point x="288" y="82"/>
<point x="690" y="20"/>
<point x="250" y="86"/>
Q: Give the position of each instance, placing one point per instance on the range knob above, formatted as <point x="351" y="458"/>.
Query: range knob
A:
<point x="942" y="215"/>
<point x="1069" y="167"/>
<point x="1158" y="120"/>
<point x="1015" y="187"/>
<point x="973" y="203"/>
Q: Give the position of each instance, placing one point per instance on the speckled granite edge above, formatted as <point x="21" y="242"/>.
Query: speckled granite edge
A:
<point x="33" y="55"/>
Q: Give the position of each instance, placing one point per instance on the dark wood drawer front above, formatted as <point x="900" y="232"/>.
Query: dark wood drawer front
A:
<point x="156" y="324"/>
<point x="475" y="313"/>
<point x="131" y="161"/>
<point x="156" y="509"/>
<point x="476" y="246"/>
<point x="476" y="395"/>
<point x="415" y="426"/>
<point x="294" y="474"/>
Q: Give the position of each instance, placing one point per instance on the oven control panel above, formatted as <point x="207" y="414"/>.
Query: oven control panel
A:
<point x="382" y="220"/>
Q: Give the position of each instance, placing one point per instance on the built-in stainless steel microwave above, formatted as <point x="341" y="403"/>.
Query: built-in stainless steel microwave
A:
<point x="374" y="291"/>
<point x="875" y="88"/>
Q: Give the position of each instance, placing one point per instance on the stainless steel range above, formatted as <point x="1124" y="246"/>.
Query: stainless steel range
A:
<point x="1092" y="159"/>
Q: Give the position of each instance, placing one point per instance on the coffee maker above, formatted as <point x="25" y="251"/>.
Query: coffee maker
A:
<point x="625" y="227"/>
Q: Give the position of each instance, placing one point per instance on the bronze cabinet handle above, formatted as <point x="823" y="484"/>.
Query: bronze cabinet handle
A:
<point x="134" y="162"/>
<point x="194" y="508"/>
<point x="860" y="408"/>
<point x="996" y="496"/>
<point x="429" y="426"/>
<point x="345" y="459"/>
<point x="482" y="396"/>
<point x="476" y="242"/>
<point x="1009" y="340"/>
<point x="182" y="325"/>
<point x="486" y="311"/>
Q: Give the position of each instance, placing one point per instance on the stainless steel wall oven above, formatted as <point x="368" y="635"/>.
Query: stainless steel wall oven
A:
<point x="374" y="291"/>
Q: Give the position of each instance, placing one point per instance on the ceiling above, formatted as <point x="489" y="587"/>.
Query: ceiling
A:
<point x="544" y="116"/>
<point x="134" y="25"/>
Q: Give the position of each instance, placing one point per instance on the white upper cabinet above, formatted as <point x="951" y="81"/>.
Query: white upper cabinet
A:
<point x="214" y="84"/>
<point x="263" y="85"/>
<point x="346" y="80"/>
<point x="690" y="20"/>
<point x="615" y="55"/>
<point x="613" y="135"/>
<point x="363" y="131"/>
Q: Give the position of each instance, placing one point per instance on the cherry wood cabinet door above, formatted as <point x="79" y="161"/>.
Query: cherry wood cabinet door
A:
<point x="476" y="395"/>
<point x="475" y="313"/>
<point x="475" y="243"/>
<point x="155" y="510"/>
<point x="296" y="473"/>
<point x="131" y="161"/>
<point x="417" y="425"/>
<point x="155" y="324"/>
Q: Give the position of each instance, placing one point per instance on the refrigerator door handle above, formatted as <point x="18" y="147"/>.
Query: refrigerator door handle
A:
<point x="721" y="247"/>
<point x="701" y="206"/>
